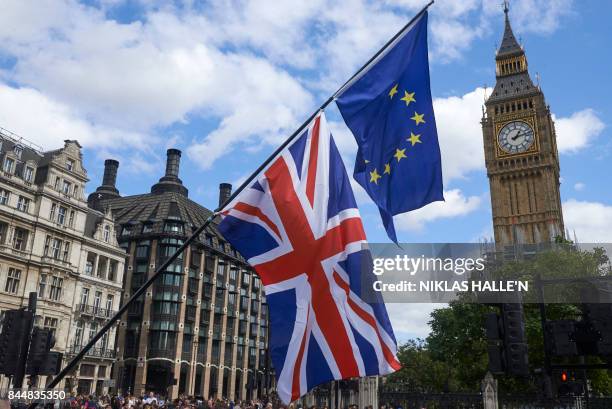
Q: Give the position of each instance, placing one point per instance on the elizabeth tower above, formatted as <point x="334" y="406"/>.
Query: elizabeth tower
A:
<point x="520" y="152"/>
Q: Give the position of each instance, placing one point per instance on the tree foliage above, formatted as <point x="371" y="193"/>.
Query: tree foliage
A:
<point x="454" y="355"/>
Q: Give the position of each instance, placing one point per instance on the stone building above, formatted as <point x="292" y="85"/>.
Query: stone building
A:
<point x="52" y="243"/>
<point x="201" y="328"/>
<point x="521" y="155"/>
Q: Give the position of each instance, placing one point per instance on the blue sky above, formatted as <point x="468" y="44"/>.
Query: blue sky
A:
<point x="226" y="81"/>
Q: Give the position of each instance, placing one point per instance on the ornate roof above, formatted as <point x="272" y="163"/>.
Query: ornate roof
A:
<point x="509" y="46"/>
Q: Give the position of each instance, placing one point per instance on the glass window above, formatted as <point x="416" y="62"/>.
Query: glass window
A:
<point x="69" y="164"/>
<point x="127" y="230"/>
<point x="173" y="227"/>
<point x="52" y="212"/>
<point x="75" y="191"/>
<point x="23" y="204"/>
<point x="102" y="265"/>
<point x="66" y="255"/>
<point x="3" y="229"/>
<point x="56" y="245"/>
<point x="84" y="296"/>
<point x="18" y="150"/>
<point x="42" y="286"/>
<point x="20" y="239"/>
<point x="8" y="165"/>
<point x="61" y="215"/>
<point x="112" y="270"/>
<point x="142" y="249"/>
<point x="4" y="196"/>
<point x="147" y="227"/>
<point x="66" y="186"/>
<point x="71" y="219"/>
<point x="12" y="281"/>
<point x="89" y="264"/>
<point x="56" y="184"/>
<point x="55" y="292"/>
<point x="93" y="329"/>
<point x="109" y="302"/>
<point x="106" y="234"/>
<point x="51" y="324"/>
<point x="78" y="334"/>
<point x="28" y="174"/>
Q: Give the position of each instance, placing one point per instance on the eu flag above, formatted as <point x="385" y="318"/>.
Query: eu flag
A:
<point x="389" y="110"/>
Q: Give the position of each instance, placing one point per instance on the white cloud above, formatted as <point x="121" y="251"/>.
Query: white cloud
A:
<point x="46" y="122"/>
<point x="411" y="320"/>
<point x="577" y="131"/>
<point x="592" y="221"/>
<point x="460" y="133"/>
<point x="456" y="205"/>
<point x="536" y="16"/>
<point x="579" y="186"/>
<point x="227" y="63"/>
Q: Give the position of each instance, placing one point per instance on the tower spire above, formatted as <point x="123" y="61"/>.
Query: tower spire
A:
<point x="509" y="45"/>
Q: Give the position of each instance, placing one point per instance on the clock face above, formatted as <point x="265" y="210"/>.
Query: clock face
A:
<point x="515" y="137"/>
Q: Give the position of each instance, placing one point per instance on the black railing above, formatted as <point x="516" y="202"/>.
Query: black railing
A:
<point x="94" y="311"/>
<point x="94" y="352"/>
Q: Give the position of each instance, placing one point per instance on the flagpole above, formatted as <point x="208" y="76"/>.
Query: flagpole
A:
<point x="162" y="268"/>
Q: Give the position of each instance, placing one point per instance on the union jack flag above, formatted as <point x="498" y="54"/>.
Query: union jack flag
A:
<point x="298" y="225"/>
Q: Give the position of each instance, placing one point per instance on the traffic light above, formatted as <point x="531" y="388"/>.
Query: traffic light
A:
<point x="494" y="343"/>
<point x="515" y="345"/>
<point x="15" y="330"/>
<point x="507" y="347"/>
<point x="568" y="385"/>
<point x="41" y="360"/>
<point x="561" y="336"/>
<point x="39" y="347"/>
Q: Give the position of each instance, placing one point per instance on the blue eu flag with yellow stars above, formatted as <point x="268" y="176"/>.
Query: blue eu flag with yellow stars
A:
<point x="389" y="110"/>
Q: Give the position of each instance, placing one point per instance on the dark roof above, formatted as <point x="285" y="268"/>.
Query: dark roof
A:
<point x="512" y="86"/>
<point x="159" y="207"/>
<point x="92" y="220"/>
<point x="509" y="46"/>
<point x="27" y="153"/>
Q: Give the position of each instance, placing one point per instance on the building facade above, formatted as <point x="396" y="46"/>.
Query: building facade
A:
<point x="48" y="237"/>
<point x="520" y="152"/>
<point x="201" y="328"/>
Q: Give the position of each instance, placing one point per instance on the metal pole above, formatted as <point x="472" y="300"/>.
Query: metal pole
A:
<point x="160" y="270"/>
<point x="22" y="356"/>
<point x="547" y="372"/>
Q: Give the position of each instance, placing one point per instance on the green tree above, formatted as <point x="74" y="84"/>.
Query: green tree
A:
<point x="456" y="349"/>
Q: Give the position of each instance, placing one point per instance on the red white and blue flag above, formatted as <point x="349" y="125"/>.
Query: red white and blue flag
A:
<point x="298" y="225"/>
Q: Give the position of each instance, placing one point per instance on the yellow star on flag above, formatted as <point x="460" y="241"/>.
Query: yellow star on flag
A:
<point x="393" y="91"/>
<point x="408" y="97"/>
<point x="414" y="139"/>
<point x="418" y="118"/>
<point x="400" y="154"/>
<point x="374" y="176"/>
<point x="387" y="169"/>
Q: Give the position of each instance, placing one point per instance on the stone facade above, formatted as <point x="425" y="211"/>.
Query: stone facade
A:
<point x="48" y="235"/>
<point x="520" y="152"/>
<point x="201" y="328"/>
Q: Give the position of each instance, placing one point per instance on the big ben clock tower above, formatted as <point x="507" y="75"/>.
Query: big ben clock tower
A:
<point x="520" y="152"/>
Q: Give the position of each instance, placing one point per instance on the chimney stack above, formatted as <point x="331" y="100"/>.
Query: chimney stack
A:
<point x="173" y="163"/>
<point x="225" y="191"/>
<point x="107" y="189"/>
<point x="170" y="182"/>
<point x="110" y="174"/>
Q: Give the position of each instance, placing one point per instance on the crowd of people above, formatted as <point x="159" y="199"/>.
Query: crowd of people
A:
<point x="155" y="401"/>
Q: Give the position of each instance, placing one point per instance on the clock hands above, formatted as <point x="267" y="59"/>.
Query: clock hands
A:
<point x="515" y="137"/>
